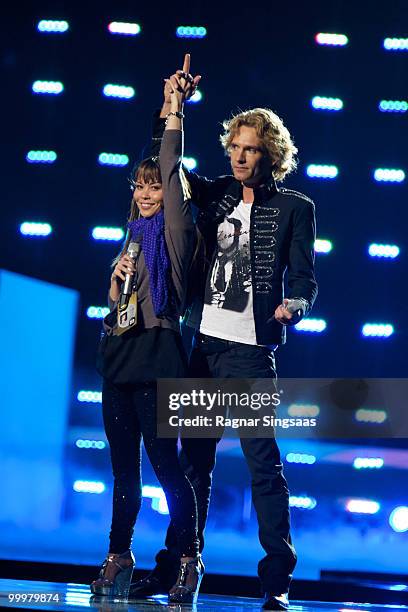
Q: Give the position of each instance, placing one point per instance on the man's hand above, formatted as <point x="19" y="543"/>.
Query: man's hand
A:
<point x="284" y="315"/>
<point x="183" y="81"/>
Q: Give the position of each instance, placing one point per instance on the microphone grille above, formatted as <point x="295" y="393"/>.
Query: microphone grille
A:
<point x="133" y="249"/>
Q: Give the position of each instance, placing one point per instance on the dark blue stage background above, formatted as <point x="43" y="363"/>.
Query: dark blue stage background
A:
<point x="349" y="500"/>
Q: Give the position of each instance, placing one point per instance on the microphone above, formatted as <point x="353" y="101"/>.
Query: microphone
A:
<point x="133" y="251"/>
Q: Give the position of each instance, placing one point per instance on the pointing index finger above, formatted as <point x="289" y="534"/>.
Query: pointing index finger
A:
<point x="186" y="65"/>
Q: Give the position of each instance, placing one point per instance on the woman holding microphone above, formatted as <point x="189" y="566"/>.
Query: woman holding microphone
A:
<point x="161" y="223"/>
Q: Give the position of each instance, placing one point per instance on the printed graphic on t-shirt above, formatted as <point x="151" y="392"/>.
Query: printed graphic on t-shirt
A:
<point x="229" y="281"/>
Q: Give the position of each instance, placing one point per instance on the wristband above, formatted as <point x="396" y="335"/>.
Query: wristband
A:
<point x="178" y="114"/>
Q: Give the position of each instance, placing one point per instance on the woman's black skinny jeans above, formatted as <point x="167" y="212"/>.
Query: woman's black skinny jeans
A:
<point x="129" y="414"/>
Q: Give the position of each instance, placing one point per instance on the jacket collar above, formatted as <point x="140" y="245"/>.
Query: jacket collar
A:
<point x="262" y="194"/>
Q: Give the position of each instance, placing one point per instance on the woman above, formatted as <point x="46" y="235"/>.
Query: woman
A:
<point x="161" y="222"/>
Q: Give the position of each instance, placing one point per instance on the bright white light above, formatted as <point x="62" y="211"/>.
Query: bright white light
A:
<point x="329" y="104"/>
<point x="108" y="233"/>
<point x="89" y="486"/>
<point x="311" y="325"/>
<point x="190" y="163"/>
<point x="159" y="502"/>
<point x="51" y="25"/>
<point x="380" y="330"/>
<point x="303" y="502"/>
<point x="366" y="415"/>
<point x="361" y="463"/>
<point x="41" y="157"/>
<point x="390" y="251"/>
<point x="334" y="40"/>
<point x="395" y="44"/>
<point x="97" y="312"/>
<point x="323" y="246"/>
<point x="399" y="519"/>
<point x="124" y="28"/>
<point x="322" y="171"/>
<point x="303" y="410"/>
<point x="118" y="91"/>
<point x="393" y="106"/>
<point x="94" y="397"/>
<point x="389" y="175"/>
<point x="300" y="458"/>
<point x="362" y="506"/>
<point x="197" y="97"/>
<point x="48" y="87"/>
<point x="29" y="228"/>
<point x="94" y="444"/>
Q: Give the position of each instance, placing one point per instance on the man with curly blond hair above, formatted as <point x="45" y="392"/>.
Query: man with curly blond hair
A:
<point x="257" y="238"/>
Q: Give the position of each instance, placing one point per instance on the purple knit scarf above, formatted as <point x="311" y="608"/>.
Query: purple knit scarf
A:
<point x="151" y="229"/>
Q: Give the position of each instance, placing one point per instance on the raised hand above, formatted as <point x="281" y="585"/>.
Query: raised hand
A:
<point x="181" y="79"/>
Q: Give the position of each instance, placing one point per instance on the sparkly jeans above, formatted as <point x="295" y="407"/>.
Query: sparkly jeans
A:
<point x="129" y="415"/>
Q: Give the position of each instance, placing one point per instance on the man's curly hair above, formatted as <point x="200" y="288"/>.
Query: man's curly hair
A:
<point x="275" y="137"/>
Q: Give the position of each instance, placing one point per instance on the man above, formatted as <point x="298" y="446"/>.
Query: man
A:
<point x="255" y="235"/>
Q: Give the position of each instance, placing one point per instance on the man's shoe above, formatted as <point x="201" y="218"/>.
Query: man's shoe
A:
<point x="275" y="602"/>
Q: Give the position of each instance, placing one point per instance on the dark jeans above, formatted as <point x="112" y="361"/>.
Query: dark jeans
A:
<point x="270" y="495"/>
<point x="129" y="414"/>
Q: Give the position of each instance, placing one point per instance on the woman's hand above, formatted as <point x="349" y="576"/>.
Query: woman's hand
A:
<point x="124" y="266"/>
<point x="184" y="80"/>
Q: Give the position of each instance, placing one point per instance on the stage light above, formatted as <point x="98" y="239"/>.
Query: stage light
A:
<point x="302" y="501"/>
<point x="190" y="163"/>
<point x="124" y="28"/>
<point x="323" y="171"/>
<point x="393" y="106"/>
<point x="389" y="175"/>
<point x="399" y="519"/>
<point x="362" y="506"/>
<point x="303" y="410"/>
<point x="389" y="251"/>
<point x="93" y="397"/>
<point x="197" y="97"/>
<point x="28" y="228"/>
<point x="52" y="25"/>
<point x="89" y="486"/>
<point x="311" y="325"/>
<point x="300" y="458"/>
<point x="41" y="157"/>
<point x="377" y="330"/>
<point x="329" y="104"/>
<point x="156" y="494"/>
<point x="333" y="40"/>
<point x="97" y="312"/>
<point x="361" y="463"/>
<point x="368" y="415"/>
<point x="395" y="44"/>
<point x="191" y="32"/>
<point x="48" y="87"/>
<point x="113" y="159"/>
<point x="323" y="246"/>
<point x="118" y="91"/>
<point x="108" y="233"/>
<point x="94" y="444"/>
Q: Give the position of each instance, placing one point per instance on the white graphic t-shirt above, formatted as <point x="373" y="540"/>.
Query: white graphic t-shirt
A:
<point x="228" y="312"/>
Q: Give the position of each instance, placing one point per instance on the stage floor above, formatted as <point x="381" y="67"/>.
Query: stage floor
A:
<point x="34" y="595"/>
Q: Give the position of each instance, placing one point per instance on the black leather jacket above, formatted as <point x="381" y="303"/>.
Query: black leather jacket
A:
<point x="282" y="235"/>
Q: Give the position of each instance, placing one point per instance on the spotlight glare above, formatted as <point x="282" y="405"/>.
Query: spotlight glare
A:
<point x="125" y="92"/>
<point x="389" y="175"/>
<point x="329" y="104"/>
<point x="302" y="501"/>
<point x="191" y="32"/>
<point x="41" y="157"/>
<point x="323" y="246"/>
<point x="113" y="159"/>
<point x="377" y="330"/>
<point x="190" y="163"/>
<point x="399" y="519"/>
<point x="52" y="25"/>
<point x="395" y="44"/>
<point x="197" y="97"/>
<point x="333" y="40"/>
<point x="362" y="506"/>
<point x="93" y="397"/>
<point x="97" y="312"/>
<point x="360" y="463"/>
<point x="322" y="171"/>
<point x="89" y="486"/>
<point x="387" y="251"/>
<point x="124" y="28"/>
<point x="108" y="233"/>
<point x="48" y="87"/>
<point x="301" y="458"/>
<point x="28" y="228"/>
<point x="311" y="325"/>
<point x="393" y="106"/>
<point x="368" y="415"/>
